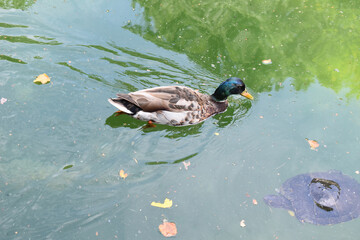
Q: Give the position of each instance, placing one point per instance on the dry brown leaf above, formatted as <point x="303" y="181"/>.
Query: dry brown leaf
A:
<point x="42" y="79"/>
<point x="168" y="229"/>
<point x="122" y="174"/>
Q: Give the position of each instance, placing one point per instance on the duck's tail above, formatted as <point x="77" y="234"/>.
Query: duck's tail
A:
<point x="124" y="106"/>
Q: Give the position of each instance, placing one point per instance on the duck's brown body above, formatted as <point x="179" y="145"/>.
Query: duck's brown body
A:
<point x="171" y="105"/>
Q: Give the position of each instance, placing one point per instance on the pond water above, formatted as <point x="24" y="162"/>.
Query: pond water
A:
<point x="95" y="49"/>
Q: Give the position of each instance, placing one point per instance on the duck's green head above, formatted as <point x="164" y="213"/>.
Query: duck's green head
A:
<point x="232" y="85"/>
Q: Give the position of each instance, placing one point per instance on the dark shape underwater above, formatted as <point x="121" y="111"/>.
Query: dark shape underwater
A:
<point x="319" y="198"/>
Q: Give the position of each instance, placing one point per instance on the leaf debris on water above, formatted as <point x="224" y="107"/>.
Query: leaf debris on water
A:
<point x="254" y="201"/>
<point x="291" y="213"/>
<point x="167" y="204"/>
<point x="42" y="79"/>
<point x="122" y="174"/>
<point x="68" y="166"/>
<point x="3" y="100"/>
<point x="242" y="223"/>
<point x="266" y="61"/>
<point x="168" y="229"/>
<point x="313" y="144"/>
<point x="186" y="165"/>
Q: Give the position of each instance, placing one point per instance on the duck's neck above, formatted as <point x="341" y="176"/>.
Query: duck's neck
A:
<point x="219" y="96"/>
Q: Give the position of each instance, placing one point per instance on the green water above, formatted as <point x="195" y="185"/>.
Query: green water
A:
<point x="94" y="49"/>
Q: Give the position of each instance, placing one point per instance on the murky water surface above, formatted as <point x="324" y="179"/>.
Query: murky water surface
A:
<point x="94" y="49"/>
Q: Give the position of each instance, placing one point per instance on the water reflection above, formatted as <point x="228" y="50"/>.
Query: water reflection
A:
<point x="123" y="120"/>
<point x="9" y="25"/>
<point x="101" y="48"/>
<point x="13" y="40"/>
<point x="174" y="161"/>
<point x="17" y="4"/>
<point x="135" y="70"/>
<point x="152" y="66"/>
<point x="24" y="39"/>
<point x="91" y="76"/>
<point x="237" y="110"/>
<point x="312" y="41"/>
<point x="11" y="59"/>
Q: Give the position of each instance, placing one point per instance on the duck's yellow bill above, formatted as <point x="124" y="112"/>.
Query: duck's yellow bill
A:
<point x="247" y="95"/>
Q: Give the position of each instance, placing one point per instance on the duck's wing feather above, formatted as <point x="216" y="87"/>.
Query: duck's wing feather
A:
<point x="170" y="98"/>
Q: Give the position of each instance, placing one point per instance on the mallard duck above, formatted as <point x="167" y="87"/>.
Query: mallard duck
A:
<point x="178" y="105"/>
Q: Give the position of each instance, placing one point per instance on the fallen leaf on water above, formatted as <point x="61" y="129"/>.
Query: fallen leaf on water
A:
<point x="291" y="213"/>
<point x="42" y="79"/>
<point x="242" y="223"/>
<point x="167" y="204"/>
<point x="3" y="100"/>
<point x="68" y="166"/>
<point x="313" y="144"/>
<point x="186" y="165"/>
<point x="122" y="174"/>
<point x="357" y="172"/>
<point x="168" y="229"/>
<point x="217" y="134"/>
<point x="254" y="201"/>
<point x="266" y="61"/>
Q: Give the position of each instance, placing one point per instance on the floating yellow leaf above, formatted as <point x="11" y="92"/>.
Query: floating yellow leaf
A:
<point x="122" y="174"/>
<point x="313" y="144"/>
<point x="168" y="229"/>
<point x="291" y="213"/>
<point x="167" y="204"/>
<point x="42" y="79"/>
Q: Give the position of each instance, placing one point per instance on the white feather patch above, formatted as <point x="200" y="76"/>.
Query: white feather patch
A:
<point x="165" y="117"/>
<point x="120" y="106"/>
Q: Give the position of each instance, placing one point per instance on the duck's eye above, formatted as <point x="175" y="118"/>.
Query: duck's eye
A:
<point x="236" y="89"/>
